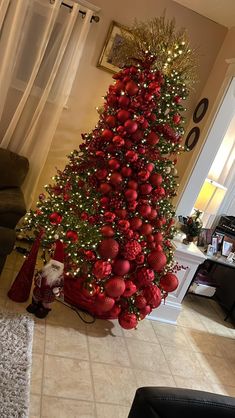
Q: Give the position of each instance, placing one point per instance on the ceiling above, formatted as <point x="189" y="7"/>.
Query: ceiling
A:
<point x="220" y="11"/>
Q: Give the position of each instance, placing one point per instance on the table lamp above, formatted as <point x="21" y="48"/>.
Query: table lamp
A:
<point x="210" y="197"/>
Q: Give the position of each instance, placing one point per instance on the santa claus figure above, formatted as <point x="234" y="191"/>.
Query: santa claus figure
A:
<point x="48" y="284"/>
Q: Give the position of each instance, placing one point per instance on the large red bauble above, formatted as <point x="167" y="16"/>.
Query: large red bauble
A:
<point x="107" y="231"/>
<point x="169" y="282"/>
<point x="145" y="210"/>
<point x="132" y="184"/>
<point x="135" y="223"/>
<point x="126" y="171"/>
<point x="130" y="289"/>
<point x="101" y="269"/>
<point x="115" y="178"/>
<point x="107" y="134"/>
<point x="131" y="126"/>
<point x="130" y="195"/>
<point x="123" y="115"/>
<point x="124" y="101"/>
<point x="119" y="86"/>
<point x="105" y="188"/>
<point x="156" y="179"/>
<point x="145" y="188"/>
<point x="153" y="295"/>
<point x="114" y="164"/>
<point x="140" y="301"/>
<point x="146" y="229"/>
<point x="108" y="248"/>
<point x="115" y="286"/>
<point x="118" y="141"/>
<point x="157" y="260"/>
<point x="111" y="121"/>
<point x="127" y="320"/>
<point x="123" y="225"/>
<point x="150" y="167"/>
<point x="158" y="238"/>
<point x="153" y="214"/>
<point x="152" y="138"/>
<point x="104" y="303"/>
<point x="144" y="276"/>
<point x="112" y="99"/>
<point x="143" y="175"/>
<point x="121" y="267"/>
<point x="132" y="88"/>
<point x="131" y="156"/>
<point x="72" y="235"/>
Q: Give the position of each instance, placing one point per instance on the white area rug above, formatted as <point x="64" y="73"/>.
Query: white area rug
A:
<point x="16" y="337"/>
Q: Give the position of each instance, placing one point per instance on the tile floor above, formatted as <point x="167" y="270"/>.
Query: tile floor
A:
<point x="92" y="371"/>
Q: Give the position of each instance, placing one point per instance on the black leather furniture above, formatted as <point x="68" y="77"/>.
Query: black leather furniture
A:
<point x="165" y="402"/>
<point x="13" y="170"/>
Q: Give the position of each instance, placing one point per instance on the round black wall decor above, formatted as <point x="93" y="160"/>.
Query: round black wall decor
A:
<point x="192" y="137"/>
<point x="200" y="110"/>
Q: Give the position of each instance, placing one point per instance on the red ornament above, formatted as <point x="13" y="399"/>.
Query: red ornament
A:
<point x="139" y="259"/>
<point x="114" y="312"/>
<point x="115" y="286"/>
<point x="177" y="99"/>
<point x="143" y="175"/>
<point x="152" y="138"/>
<point x="135" y="223"/>
<point x="55" y="218"/>
<point x="137" y="136"/>
<point x="130" y="289"/>
<point x="146" y="229"/>
<point x="153" y="295"/>
<point x="104" y="203"/>
<point x="90" y="255"/>
<point x="145" y="210"/>
<point x="112" y="99"/>
<point x="123" y="225"/>
<point x="157" y="260"/>
<point x="153" y="214"/>
<point x="124" y="101"/>
<point x="115" y="178"/>
<point x="107" y="231"/>
<point x="145" y="188"/>
<point x="131" y="250"/>
<point x="131" y="126"/>
<point x="140" y="301"/>
<point x="145" y="311"/>
<point x="176" y="119"/>
<point x="101" y="174"/>
<point x="105" y="188"/>
<point x="131" y="156"/>
<point x="127" y="320"/>
<point x="72" y="235"/>
<point x="108" y="248"/>
<point x="118" y="141"/>
<point x="119" y="86"/>
<point x="156" y="179"/>
<point x="132" y="88"/>
<point x="126" y="171"/>
<point x="132" y="206"/>
<point x="123" y="115"/>
<point x="144" y="276"/>
<point x="121" y="267"/>
<point x="107" y="134"/>
<point x="104" y="303"/>
<point x="130" y="195"/>
<point x="121" y="213"/>
<point x="169" y="282"/>
<point x="101" y="269"/>
<point x="150" y="167"/>
<point x="158" y="237"/>
<point x="132" y="184"/>
<point x="109" y="216"/>
<point x="114" y="164"/>
<point x="111" y="121"/>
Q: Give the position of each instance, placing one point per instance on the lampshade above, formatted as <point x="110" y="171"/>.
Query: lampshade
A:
<point x="210" y="197"/>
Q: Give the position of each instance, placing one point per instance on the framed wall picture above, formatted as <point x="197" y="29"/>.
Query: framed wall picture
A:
<point x="192" y="138"/>
<point x="113" y="40"/>
<point x="200" y="110"/>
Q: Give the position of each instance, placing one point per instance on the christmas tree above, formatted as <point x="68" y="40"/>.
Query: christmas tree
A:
<point x="111" y="205"/>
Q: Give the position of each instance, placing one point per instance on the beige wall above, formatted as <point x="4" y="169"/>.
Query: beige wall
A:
<point x="91" y="83"/>
<point x="214" y="90"/>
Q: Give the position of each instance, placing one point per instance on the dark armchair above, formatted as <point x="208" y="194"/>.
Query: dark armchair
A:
<point x="164" y="402"/>
<point x="13" y="170"/>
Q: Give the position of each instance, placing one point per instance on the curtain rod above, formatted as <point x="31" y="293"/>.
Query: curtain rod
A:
<point x="94" y="17"/>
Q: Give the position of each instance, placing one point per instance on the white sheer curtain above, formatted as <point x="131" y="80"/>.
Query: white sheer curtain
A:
<point x="41" y="42"/>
